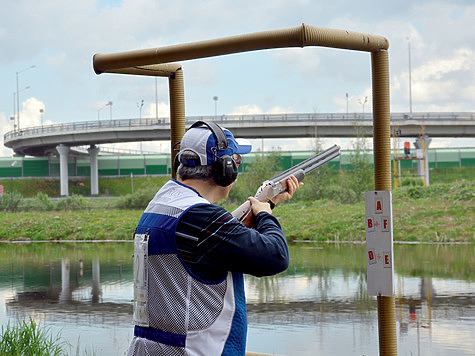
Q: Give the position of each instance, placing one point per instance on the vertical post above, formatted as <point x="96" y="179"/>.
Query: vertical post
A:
<point x="177" y="113"/>
<point x="96" y="281"/>
<point x="410" y="79"/>
<point x="63" y="169"/>
<point x="93" y="152"/>
<point x="346" y="104"/>
<point x="399" y="173"/>
<point x="425" y="162"/>
<point x="65" y="294"/>
<point x="132" y="181"/>
<point x="382" y="181"/>
<point x="215" y="98"/>
<point x="17" y="104"/>
<point x="156" y="98"/>
<point x="422" y="143"/>
<point x="14" y="163"/>
<point x="13" y="118"/>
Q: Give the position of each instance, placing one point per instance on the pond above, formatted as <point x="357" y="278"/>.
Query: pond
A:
<point x="319" y="306"/>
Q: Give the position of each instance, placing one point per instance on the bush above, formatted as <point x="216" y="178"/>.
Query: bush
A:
<point x="411" y="182"/>
<point x="340" y="193"/>
<point x="460" y="190"/>
<point x="72" y="202"/>
<point x="138" y="200"/>
<point x="9" y="202"/>
<point x="466" y="193"/>
<point x="41" y="203"/>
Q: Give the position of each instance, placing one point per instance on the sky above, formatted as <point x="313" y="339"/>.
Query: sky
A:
<point x="48" y="45"/>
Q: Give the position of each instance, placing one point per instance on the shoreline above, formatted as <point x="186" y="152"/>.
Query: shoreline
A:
<point x="295" y="242"/>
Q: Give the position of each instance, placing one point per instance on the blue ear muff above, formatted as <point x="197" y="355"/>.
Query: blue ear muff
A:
<point x="224" y="169"/>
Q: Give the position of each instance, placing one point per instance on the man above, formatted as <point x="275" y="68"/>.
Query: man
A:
<point x="190" y="255"/>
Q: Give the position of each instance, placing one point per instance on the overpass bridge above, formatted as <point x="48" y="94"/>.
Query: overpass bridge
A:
<point x="60" y="138"/>
<point x="43" y="140"/>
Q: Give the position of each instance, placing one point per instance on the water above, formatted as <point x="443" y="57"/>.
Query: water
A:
<point x="319" y="306"/>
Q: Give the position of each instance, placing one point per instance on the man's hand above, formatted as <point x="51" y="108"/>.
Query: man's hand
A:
<point x="292" y="185"/>
<point x="257" y="206"/>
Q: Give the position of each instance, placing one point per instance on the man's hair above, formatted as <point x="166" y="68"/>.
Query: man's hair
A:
<point x="200" y="172"/>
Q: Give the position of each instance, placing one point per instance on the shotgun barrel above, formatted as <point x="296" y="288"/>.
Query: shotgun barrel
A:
<point x="276" y="185"/>
<point x="310" y="164"/>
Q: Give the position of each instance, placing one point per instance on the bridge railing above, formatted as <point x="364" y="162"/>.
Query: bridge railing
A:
<point x="95" y="125"/>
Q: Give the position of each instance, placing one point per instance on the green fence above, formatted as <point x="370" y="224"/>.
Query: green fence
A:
<point x="160" y="164"/>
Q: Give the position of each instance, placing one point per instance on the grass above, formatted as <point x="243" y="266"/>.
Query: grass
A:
<point x="424" y="219"/>
<point x="442" y="212"/>
<point x="120" y="186"/>
<point x="27" y="338"/>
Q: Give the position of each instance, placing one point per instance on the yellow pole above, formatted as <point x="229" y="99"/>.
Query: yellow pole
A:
<point x="300" y="36"/>
<point x="177" y="113"/>
<point x="174" y="73"/>
<point x="382" y="181"/>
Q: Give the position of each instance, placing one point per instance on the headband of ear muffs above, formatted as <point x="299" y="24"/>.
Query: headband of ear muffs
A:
<point x="224" y="168"/>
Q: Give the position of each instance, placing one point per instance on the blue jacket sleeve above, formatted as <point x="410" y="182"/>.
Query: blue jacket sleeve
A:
<point x="222" y="243"/>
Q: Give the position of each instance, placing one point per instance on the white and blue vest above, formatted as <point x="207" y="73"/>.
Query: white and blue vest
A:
<point x="175" y="312"/>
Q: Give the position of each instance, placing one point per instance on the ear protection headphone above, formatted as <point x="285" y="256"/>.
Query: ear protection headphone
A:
<point x="224" y="168"/>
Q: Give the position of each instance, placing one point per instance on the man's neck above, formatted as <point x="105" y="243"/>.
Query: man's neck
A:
<point x="205" y="188"/>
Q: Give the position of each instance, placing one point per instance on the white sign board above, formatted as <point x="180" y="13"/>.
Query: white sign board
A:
<point x="379" y="243"/>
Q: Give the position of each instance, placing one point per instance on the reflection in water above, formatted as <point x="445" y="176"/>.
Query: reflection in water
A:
<point x="96" y="281"/>
<point x="319" y="305"/>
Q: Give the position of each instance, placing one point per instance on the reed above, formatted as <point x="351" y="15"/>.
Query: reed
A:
<point x="28" y="338"/>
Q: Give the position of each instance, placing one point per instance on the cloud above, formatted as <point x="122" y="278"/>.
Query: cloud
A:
<point x="253" y="109"/>
<point x="162" y="110"/>
<point x="5" y="126"/>
<point x="442" y="83"/>
<point x="30" y="114"/>
<point x="61" y="40"/>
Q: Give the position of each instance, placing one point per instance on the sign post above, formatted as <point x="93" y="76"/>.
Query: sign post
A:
<point x="379" y="243"/>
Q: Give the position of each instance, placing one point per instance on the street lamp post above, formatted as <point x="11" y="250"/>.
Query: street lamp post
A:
<point x="41" y="116"/>
<point x="18" y="94"/>
<point x="156" y="99"/>
<point x="140" y="117"/>
<point x="99" y="110"/>
<point x="363" y="102"/>
<point x="14" y="111"/>
<point x="16" y="114"/>
<point x="140" y="106"/>
<point x="347" y="104"/>
<point x="110" y="111"/>
<point x="215" y="98"/>
<point x="410" y="77"/>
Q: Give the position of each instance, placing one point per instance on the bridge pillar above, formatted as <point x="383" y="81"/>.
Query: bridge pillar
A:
<point x="93" y="152"/>
<point x="422" y="143"/>
<point x="63" y="168"/>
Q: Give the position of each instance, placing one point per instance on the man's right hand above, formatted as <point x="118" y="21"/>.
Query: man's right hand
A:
<point x="258" y="206"/>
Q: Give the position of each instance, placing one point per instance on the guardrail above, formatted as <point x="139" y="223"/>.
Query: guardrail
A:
<point x="86" y="126"/>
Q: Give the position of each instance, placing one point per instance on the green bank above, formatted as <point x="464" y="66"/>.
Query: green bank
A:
<point x="330" y="207"/>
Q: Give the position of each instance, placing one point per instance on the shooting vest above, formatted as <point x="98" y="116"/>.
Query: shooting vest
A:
<point x="176" y="313"/>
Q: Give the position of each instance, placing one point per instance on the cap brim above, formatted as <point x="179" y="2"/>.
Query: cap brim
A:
<point x="243" y="146"/>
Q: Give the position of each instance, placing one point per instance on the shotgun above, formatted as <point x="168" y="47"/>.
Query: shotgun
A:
<point x="274" y="186"/>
